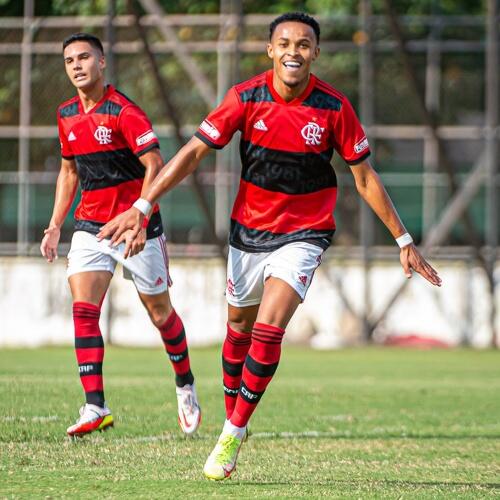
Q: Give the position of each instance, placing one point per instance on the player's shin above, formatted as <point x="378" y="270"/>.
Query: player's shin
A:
<point x="260" y="365"/>
<point x="89" y="348"/>
<point x="174" y="339"/>
<point x="234" y="352"/>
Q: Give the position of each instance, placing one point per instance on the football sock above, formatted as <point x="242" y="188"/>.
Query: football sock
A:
<point x="232" y="429"/>
<point x="89" y="348"/>
<point x="174" y="339"/>
<point x="260" y="365"/>
<point x="234" y="352"/>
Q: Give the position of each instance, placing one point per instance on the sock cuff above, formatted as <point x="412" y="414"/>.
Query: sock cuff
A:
<point x="86" y="308"/>
<point x="268" y="328"/>
<point x="169" y="321"/>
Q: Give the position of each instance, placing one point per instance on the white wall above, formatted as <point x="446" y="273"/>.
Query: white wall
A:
<point x="35" y="305"/>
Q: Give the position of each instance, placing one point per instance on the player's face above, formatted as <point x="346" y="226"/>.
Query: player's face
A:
<point x="84" y="64"/>
<point x="293" y="48"/>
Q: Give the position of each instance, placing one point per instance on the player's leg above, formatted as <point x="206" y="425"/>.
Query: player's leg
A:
<point x="235" y="349"/>
<point x="288" y="274"/>
<point x="89" y="273"/>
<point x="150" y="273"/>
<point x="280" y="302"/>
<point x="171" y="328"/>
<point x="88" y="290"/>
<point x="245" y="282"/>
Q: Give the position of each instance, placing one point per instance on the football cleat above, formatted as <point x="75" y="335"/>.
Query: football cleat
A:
<point x="189" y="412"/>
<point x="92" y="418"/>
<point x="222" y="461"/>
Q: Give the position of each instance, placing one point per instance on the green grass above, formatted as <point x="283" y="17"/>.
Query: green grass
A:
<point x="366" y="423"/>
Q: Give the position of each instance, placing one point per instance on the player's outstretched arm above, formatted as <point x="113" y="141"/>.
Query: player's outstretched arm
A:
<point x="130" y="222"/>
<point x="67" y="182"/>
<point x="372" y="190"/>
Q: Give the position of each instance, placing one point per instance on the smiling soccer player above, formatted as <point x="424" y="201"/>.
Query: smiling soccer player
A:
<point x="282" y="220"/>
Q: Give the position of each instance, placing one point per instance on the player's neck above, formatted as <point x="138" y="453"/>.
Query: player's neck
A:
<point x="91" y="96"/>
<point x="289" y="93"/>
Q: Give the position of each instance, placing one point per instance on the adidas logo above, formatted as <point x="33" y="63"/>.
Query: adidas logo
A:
<point x="159" y="281"/>
<point x="71" y="136"/>
<point x="260" y="125"/>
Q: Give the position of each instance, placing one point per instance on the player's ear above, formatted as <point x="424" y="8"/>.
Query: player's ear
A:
<point x="270" y="51"/>
<point x="102" y="62"/>
<point x="316" y="53"/>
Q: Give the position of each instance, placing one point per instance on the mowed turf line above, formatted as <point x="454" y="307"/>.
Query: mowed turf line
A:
<point x="365" y="423"/>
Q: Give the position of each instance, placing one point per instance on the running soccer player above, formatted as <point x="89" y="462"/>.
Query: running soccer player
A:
<point x="109" y="147"/>
<point x="282" y="220"/>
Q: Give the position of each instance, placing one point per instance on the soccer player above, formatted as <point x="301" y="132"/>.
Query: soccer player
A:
<point x="109" y="147"/>
<point x="282" y="220"/>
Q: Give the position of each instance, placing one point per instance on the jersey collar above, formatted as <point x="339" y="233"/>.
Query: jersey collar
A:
<point x="297" y="101"/>
<point x="109" y="90"/>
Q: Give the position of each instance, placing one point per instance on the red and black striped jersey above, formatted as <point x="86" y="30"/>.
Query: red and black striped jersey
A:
<point x="106" y="143"/>
<point x="288" y="187"/>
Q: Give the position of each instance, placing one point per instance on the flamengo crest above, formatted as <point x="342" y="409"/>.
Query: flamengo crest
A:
<point x="312" y="134"/>
<point x="103" y="134"/>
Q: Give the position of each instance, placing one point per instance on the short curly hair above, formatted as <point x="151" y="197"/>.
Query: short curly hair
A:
<point x="298" y="17"/>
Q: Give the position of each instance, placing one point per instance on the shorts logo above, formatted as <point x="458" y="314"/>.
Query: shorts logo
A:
<point x="159" y="281"/>
<point x="303" y="279"/>
<point x="209" y="129"/>
<point x="230" y="287"/>
<point x="145" y="138"/>
<point x="312" y="133"/>
<point x="103" y="135"/>
<point x="361" y="145"/>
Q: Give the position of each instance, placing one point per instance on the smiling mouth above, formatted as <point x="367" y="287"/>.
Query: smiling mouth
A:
<point x="292" y="65"/>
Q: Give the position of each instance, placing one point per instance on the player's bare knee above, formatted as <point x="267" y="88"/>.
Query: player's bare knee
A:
<point x="240" y="325"/>
<point x="159" y="314"/>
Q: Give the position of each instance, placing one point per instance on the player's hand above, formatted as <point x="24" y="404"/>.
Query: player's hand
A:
<point x="134" y="245"/>
<point x="411" y="258"/>
<point x="115" y="229"/>
<point x="48" y="247"/>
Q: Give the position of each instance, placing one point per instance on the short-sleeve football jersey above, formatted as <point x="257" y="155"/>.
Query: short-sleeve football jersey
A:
<point x="106" y="143"/>
<point x="288" y="187"/>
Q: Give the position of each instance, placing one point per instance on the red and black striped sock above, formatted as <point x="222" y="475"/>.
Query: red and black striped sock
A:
<point x="89" y="348"/>
<point x="174" y="339"/>
<point x="234" y="352"/>
<point x="260" y="365"/>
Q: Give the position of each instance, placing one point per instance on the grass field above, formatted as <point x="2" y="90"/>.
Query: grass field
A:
<point x="366" y="423"/>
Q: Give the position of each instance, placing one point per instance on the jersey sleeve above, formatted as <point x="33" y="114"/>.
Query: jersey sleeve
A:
<point x="66" y="152"/>
<point x="217" y="129"/>
<point x="137" y="130"/>
<point x="349" y="137"/>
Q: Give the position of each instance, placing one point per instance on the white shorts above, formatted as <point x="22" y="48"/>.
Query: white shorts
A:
<point x="148" y="269"/>
<point x="247" y="272"/>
